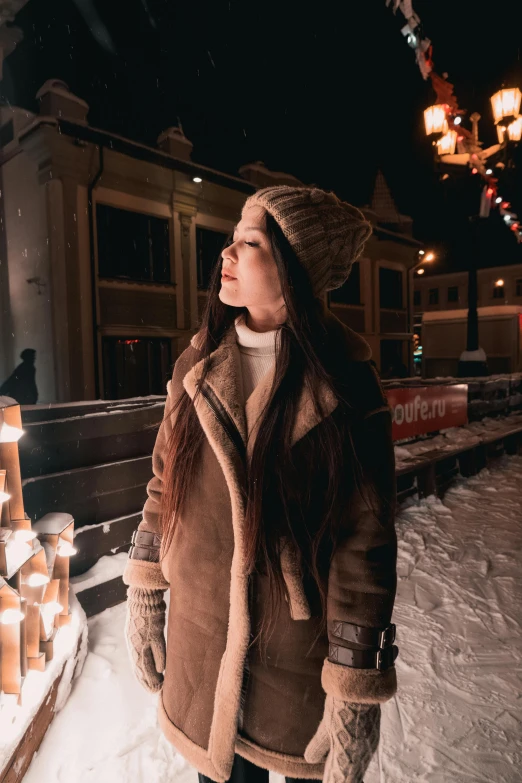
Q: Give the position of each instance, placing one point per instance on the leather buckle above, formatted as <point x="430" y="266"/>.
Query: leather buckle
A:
<point x="387" y="636"/>
<point x="385" y="657"/>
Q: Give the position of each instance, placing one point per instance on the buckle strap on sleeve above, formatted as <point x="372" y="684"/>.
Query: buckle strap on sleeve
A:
<point x="364" y="659"/>
<point x="145" y="545"/>
<point x="361" y="634"/>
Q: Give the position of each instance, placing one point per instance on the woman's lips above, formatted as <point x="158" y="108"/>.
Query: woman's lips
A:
<point x="227" y="278"/>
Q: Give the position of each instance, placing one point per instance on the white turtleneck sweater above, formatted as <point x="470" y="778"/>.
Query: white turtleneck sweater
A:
<point x="257" y="350"/>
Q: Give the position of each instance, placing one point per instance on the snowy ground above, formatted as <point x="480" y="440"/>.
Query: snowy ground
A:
<point x="457" y="715"/>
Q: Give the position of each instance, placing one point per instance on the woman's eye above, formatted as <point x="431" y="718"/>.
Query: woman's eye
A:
<point x="252" y="244"/>
<point x="231" y="242"/>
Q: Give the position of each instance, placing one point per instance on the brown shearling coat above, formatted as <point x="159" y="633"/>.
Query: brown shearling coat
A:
<point x="215" y="605"/>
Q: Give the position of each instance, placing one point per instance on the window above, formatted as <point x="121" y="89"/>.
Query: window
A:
<point x="433" y="296"/>
<point x="209" y="245"/>
<point x="498" y="292"/>
<point x="135" y="367"/>
<point x="518" y="284"/>
<point x="453" y="293"/>
<point x="132" y="246"/>
<point x="350" y="291"/>
<point x="417" y="298"/>
<point x="390" y="288"/>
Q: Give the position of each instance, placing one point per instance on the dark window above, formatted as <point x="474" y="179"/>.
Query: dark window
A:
<point x="417" y="298"/>
<point x="390" y="288"/>
<point x="453" y="293"/>
<point x="498" y="292"/>
<point x="132" y="246"/>
<point x="209" y="245"/>
<point x="433" y="296"/>
<point x="350" y="291"/>
<point x="6" y="133"/>
<point x="392" y="361"/>
<point x="135" y="367"/>
<point x="519" y="286"/>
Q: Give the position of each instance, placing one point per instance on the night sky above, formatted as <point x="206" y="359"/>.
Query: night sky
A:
<point x="328" y="91"/>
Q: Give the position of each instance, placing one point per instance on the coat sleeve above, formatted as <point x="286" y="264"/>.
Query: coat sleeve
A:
<point x="362" y="577"/>
<point x="143" y="568"/>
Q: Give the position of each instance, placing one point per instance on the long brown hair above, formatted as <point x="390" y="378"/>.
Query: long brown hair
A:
<point x="277" y="490"/>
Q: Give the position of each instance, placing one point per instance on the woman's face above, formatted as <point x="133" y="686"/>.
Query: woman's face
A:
<point x="249" y="259"/>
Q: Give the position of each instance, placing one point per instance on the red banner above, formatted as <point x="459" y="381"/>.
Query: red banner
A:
<point x="417" y="411"/>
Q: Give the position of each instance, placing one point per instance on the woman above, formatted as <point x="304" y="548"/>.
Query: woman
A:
<point x="270" y="515"/>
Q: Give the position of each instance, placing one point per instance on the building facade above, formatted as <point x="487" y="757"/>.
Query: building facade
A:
<point x="107" y="247"/>
<point x="440" y="314"/>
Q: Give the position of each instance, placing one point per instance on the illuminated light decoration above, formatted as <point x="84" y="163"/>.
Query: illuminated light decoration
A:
<point x="421" y="252"/>
<point x="501" y="132"/>
<point x="514" y="129"/>
<point x="499" y="283"/>
<point x="430" y="256"/>
<point x="420" y="271"/>
<point x="489" y="171"/>
<point x="498" y="200"/>
<point x="490" y="191"/>
<point x="197" y="179"/>
<point x="506" y="103"/>
<point x="65" y="549"/>
<point x="52" y="608"/>
<point x="24" y="536"/>
<point x="11" y="616"/>
<point x="9" y="434"/>
<point x="505" y="204"/>
<point x="37" y="580"/>
<point x="447" y="143"/>
<point x="457" y="120"/>
<point x="507" y="218"/>
<point x="474" y="171"/>
<point x="4" y="496"/>
<point x="435" y="119"/>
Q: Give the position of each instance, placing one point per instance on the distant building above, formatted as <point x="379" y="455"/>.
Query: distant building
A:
<point x="109" y="245"/>
<point x="377" y="298"/>
<point x="440" y="311"/>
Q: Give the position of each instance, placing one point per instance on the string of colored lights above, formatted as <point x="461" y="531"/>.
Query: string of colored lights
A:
<point x="444" y="120"/>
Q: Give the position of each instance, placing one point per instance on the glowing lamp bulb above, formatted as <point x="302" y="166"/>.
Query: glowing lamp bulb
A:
<point x="430" y="256"/>
<point x="4" y="496"/>
<point x="420" y="271"/>
<point x="197" y="179"/>
<point x="11" y="616"/>
<point x="37" y="580"/>
<point x="457" y="120"/>
<point x="499" y="283"/>
<point x="489" y="171"/>
<point x="52" y="607"/>
<point x="65" y="549"/>
<point x="9" y="434"/>
<point x="23" y="536"/>
<point x="498" y="200"/>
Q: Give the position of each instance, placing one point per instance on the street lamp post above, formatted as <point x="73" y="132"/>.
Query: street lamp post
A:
<point x="442" y="121"/>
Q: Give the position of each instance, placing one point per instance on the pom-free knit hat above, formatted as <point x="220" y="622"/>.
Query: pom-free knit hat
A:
<point x="327" y="234"/>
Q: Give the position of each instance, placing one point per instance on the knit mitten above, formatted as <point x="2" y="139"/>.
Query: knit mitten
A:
<point x="346" y="740"/>
<point x="144" y="634"/>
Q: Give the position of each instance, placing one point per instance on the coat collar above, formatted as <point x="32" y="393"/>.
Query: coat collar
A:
<point x="225" y="380"/>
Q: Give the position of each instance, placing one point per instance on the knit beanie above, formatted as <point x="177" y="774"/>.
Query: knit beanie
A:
<point x="327" y="234"/>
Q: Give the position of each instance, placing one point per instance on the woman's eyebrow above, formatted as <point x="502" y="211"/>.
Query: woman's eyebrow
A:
<point x="252" y="228"/>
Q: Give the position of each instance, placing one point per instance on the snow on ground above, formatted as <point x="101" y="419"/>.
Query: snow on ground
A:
<point x="456" y="717"/>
